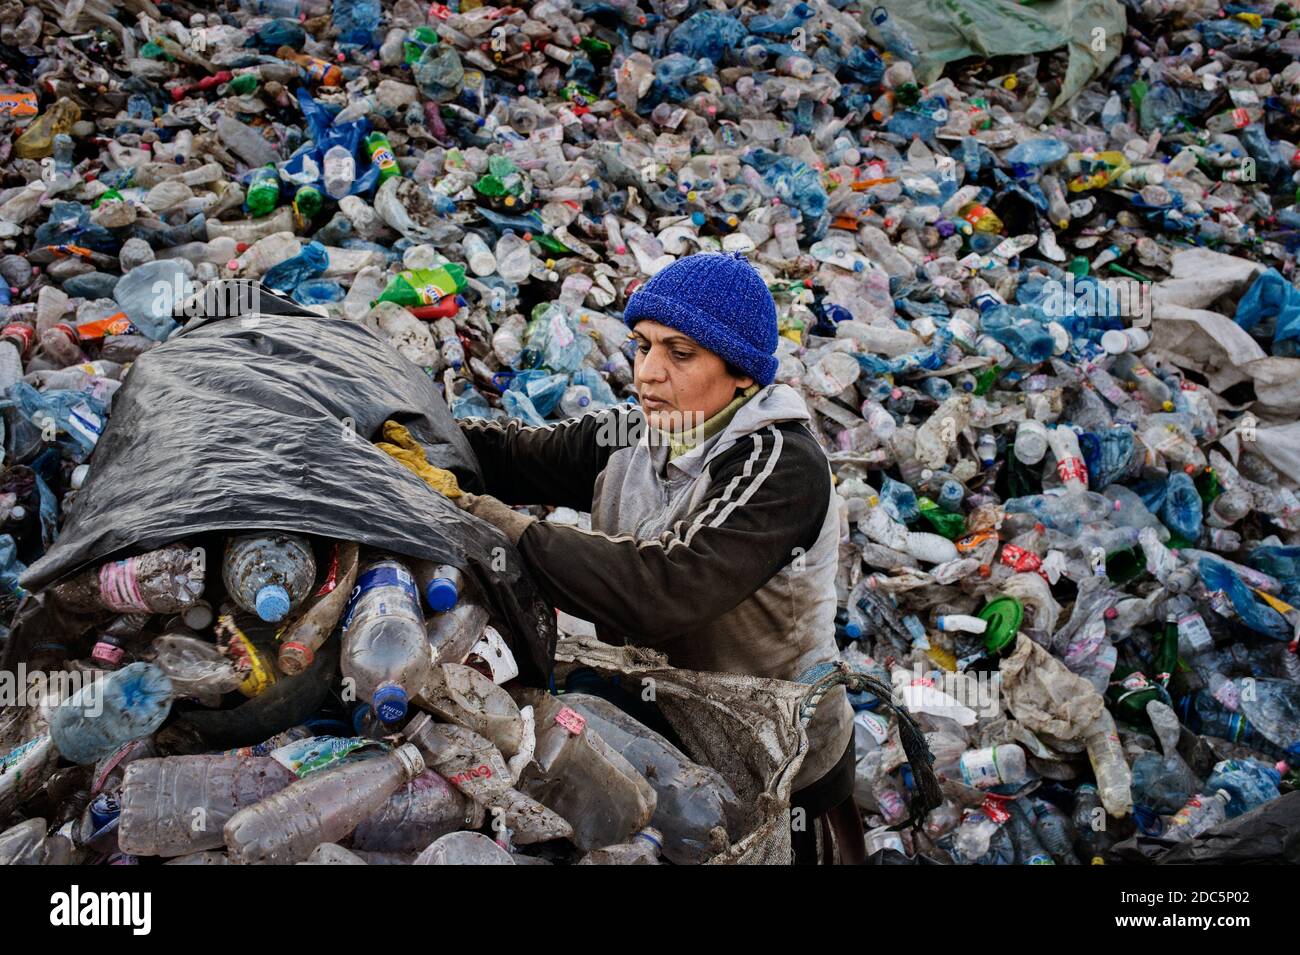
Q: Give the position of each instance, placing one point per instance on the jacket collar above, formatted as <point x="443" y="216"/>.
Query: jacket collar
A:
<point x="776" y="403"/>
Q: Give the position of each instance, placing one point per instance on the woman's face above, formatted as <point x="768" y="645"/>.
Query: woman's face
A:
<point x="680" y="383"/>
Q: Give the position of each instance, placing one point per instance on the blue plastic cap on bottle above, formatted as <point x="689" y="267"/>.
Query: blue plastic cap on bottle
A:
<point x="272" y="603"/>
<point x="852" y="630"/>
<point x="441" y="593"/>
<point x="389" y="703"/>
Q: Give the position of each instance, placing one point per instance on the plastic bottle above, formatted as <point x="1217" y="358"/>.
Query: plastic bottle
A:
<point x="263" y="191"/>
<point x="322" y="807"/>
<point x="381" y="155"/>
<point x="161" y="581"/>
<point x="1201" y="814"/>
<point x="644" y="849"/>
<point x="514" y="260"/>
<point x="385" y="651"/>
<point x="128" y="704"/>
<point x="269" y="574"/>
<point x="1092" y="834"/>
<point x="181" y="804"/>
<point x="1069" y="459"/>
<point x="692" y="800"/>
<point x="340" y="171"/>
<point x="994" y="766"/>
<point x="424" y="286"/>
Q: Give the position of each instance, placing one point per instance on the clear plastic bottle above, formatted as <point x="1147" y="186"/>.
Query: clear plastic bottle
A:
<point x="1201" y="814"/>
<point x="384" y="646"/>
<point x="269" y="574"/>
<point x="322" y="807"/>
<point x="994" y="766"/>
<point x="644" y="849"/>
<point x="168" y="580"/>
<point x="340" y="171"/>
<point x="513" y="257"/>
<point x="181" y="804"/>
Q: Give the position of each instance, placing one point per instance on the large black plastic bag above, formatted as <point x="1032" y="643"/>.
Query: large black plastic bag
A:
<point x="267" y="422"/>
<point x="1267" y="835"/>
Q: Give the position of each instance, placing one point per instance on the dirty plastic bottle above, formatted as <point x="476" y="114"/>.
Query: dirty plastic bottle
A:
<point x="340" y="171"/>
<point x="644" y="849"/>
<point x="692" y="799"/>
<point x="1201" y="814"/>
<point x="384" y="647"/>
<point x="269" y="574"/>
<point x="322" y="807"/>
<point x="168" y="580"/>
<point x="181" y="804"/>
<point x="128" y="704"/>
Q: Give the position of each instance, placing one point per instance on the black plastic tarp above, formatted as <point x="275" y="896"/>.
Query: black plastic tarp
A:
<point x="1267" y="835"/>
<point x="266" y="421"/>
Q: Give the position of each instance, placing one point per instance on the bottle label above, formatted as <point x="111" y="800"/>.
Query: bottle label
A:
<point x="571" y="720"/>
<point x="995" y="809"/>
<point x="1240" y="117"/>
<point x="979" y="768"/>
<point x="373" y="591"/>
<point x="1226" y="693"/>
<point x="1192" y="628"/>
<point x="15" y="756"/>
<point x="383" y="158"/>
<point x="561" y="333"/>
<point x="305" y="756"/>
<point x="332" y="576"/>
<point x="1072" y="469"/>
<point x="119" y="586"/>
<point x="873" y="723"/>
<point x="83" y="421"/>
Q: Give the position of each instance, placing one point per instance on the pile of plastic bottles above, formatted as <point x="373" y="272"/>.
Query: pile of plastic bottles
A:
<point x="1051" y="353"/>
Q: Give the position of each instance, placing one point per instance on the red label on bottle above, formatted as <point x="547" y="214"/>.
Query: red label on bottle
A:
<point x="1240" y="117"/>
<point x="20" y="334"/>
<point x="994" y="808"/>
<point x="1072" y="469"/>
<point x="476" y="772"/>
<point x="332" y="576"/>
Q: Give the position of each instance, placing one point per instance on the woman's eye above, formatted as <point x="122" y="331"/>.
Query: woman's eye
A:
<point x="643" y="348"/>
<point x="681" y="356"/>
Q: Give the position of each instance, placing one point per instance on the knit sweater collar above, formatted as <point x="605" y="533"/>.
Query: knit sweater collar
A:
<point x="680" y="444"/>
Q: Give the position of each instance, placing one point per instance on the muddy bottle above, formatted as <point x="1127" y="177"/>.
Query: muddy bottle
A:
<point x="181" y="804"/>
<point x="160" y="581"/>
<point x="323" y="807"/>
<point x="103" y="715"/>
<point x="269" y="574"/>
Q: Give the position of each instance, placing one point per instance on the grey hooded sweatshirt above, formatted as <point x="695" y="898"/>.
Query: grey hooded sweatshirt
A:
<point x="722" y="558"/>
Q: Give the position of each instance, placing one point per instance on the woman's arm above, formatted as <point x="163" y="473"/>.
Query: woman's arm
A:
<point x="766" y="500"/>
<point x="556" y="465"/>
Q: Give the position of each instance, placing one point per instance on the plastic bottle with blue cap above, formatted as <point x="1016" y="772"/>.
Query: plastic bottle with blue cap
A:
<point x="269" y="574"/>
<point x="385" y="652"/>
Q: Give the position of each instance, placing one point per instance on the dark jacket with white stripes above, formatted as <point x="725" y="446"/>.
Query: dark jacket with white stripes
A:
<point x="723" y="559"/>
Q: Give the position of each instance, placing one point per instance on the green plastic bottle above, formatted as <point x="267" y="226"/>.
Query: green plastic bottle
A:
<point x="244" y="84"/>
<point x="307" y="202"/>
<point x="944" y="522"/>
<point x="424" y="286"/>
<point x="263" y="192"/>
<point x="380" y="152"/>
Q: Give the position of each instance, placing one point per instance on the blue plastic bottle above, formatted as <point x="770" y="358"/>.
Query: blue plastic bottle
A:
<point x="105" y="714"/>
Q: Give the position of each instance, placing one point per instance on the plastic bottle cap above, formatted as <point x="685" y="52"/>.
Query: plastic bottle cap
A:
<point x="442" y="594"/>
<point x="389" y="703"/>
<point x="852" y="630"/>
<point x="272" y="603"/>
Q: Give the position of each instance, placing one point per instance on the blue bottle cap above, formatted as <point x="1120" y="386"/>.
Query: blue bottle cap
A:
<point x="389" y="703"/>
<point x="441" y="593"/>
<point x="853" y="631"/>
<point x="272" y="603"/>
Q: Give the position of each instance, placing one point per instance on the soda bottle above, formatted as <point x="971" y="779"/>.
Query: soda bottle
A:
<point x="269" y="574"/>
<point x="263" y="191"/>
<point x="318" y="70"/>
<point x="307" y="202"/>
<point x="380" y="152"/>
<point x="384" y="647"/>
<point x="424" y="286"/>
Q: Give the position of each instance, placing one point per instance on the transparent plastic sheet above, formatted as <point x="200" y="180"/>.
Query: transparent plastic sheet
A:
<point x="266" y="422"/>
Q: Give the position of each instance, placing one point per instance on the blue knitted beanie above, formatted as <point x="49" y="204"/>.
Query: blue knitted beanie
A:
<point x="720" y="301"/>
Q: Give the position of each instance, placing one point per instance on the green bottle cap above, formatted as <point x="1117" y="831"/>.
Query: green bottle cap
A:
<point x="1003" y="616"/>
